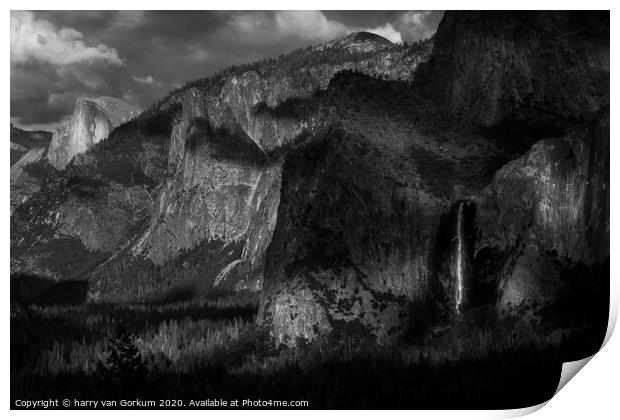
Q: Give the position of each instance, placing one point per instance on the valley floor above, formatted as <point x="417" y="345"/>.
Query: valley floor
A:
<point x="212" y="349"/>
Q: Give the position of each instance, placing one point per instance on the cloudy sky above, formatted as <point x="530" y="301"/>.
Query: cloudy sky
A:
<point x="138" y="56"/>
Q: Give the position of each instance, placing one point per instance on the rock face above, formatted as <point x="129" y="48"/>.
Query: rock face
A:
<point x="555" y="196"/>
<point x="92" y="121"/>
<point x="349" y="250"/>
<point x="88" y="212"/>
<point x="23" y="185"/>
<point x="23" y="140"/>
<point x="347" y="195"/>
<point x="192" y="199"/>
<point x="28" y="169"/>
<point x="353" y="252"/>
<point x="359" y="42"/>
<point x="361" y="215"/>
<point x="529" y="69"/>
<point x="225" y="161"/>
<point x="552" y="205"/>
<point x="224" y="189"/>
<point x="538" y="79"/>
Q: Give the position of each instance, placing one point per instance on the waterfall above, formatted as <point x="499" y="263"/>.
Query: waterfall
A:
<point x="460" y="264"/>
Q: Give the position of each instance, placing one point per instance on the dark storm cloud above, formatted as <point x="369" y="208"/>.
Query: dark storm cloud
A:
<point x="139" y="56"/>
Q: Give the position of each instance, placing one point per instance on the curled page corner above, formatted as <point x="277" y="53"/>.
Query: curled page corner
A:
<point x="520" y="412"/>
<point x="570" y="369"/>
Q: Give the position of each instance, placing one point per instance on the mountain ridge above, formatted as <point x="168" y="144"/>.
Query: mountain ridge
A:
<point x="93" y="119"/>
<point x="330" y="181"/>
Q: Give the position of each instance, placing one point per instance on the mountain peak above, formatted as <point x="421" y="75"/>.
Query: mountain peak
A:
<point x="363" y="36"/>
<point x="116" y="110"/>
<point x="93" y="120"/>
<point x="359" y="42"/>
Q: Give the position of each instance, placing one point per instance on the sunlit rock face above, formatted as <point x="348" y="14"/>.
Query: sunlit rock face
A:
<point x="24" y="140"/>
<point x="538" y="82"/>
<point x="28" y="169"/>
<point x="520" y="69"/>
<point x="224" y="186"/>
<point x="225" y="160"/>
<point x="217" y="194"/>
<point x="352" y="257"/>
<point x="532" y="285"/>
<point x="358" y="42"/>
<point x="556" y="196"/>
<point x="89" y="211"/>
<point x="339" y="194"/>
<point x="351" y="248"/>
<point x="92" y="121"/>
<point x="356" y="241"/>
<point x="23" y="185"/>
<point x="554" y="200"/>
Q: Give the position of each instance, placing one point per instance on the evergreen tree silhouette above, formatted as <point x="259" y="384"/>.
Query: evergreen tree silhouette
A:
<point x="121" y="373"/>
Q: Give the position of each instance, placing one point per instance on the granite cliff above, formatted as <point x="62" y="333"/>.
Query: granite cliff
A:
<point x="363" y="191"/>
<point x="225" y="158"/>
<point x="539" y="84"/>
<point x="92" y="121"/>
<point x="354" y="254"/>
<point x="213" y="190"/>
<point x="93" y="207"/>
<point x="28" y="167"/>
<point x="24" y="140"/>
<point x="520" y="73"/>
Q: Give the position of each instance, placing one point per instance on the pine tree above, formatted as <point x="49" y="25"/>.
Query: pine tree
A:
<point x="121" y="371"/>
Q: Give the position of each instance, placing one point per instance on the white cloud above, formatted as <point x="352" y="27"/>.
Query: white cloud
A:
<point x="38" y="40"/>
<point x="88" y="79"/>
<point x="250" y="22"/>
<point x="415" y="18"/>
<point x="148" y="80"/>
<point x="388" y="31"/>
<point x="417" y="25"/>
<point x="128" y="19"/>
<point x="196" y="53"/>
<point x="309" y="24"/>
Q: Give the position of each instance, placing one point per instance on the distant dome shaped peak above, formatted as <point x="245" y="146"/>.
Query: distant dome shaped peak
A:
<point x="359" y="42"/>
<point x="364" y="36"/>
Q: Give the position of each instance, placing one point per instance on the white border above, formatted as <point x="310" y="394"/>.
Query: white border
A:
<point x="593" y="394"/>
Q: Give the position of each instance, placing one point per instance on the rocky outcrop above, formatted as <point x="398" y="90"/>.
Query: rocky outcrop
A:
<point x="556" y="196"/>
<point x="358" y="238"/>
<point x="539" y="83"/>
<point x="358" y="42"/>
<point x="224" y="188"/>
<point x="359" y="205"/>
<point x="88" y="212"/>
<point x="520" y="71"/>
<point x="23" y="184"/>
<point x="28" y="168"/>
<point x="348" y="250"/>
<point x="548" y="211"/>
<point x="357" y="247"/>
<point x="92" y="121"/>
<point x="22" y="141"/>
<point x="225" y="164"/>
<point x="17" y="151"/>
<point x="218" y="193"/>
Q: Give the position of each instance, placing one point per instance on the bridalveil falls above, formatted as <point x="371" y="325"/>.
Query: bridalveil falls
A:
<point x="461" y="261"/>
<point x="460" y="272"/>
